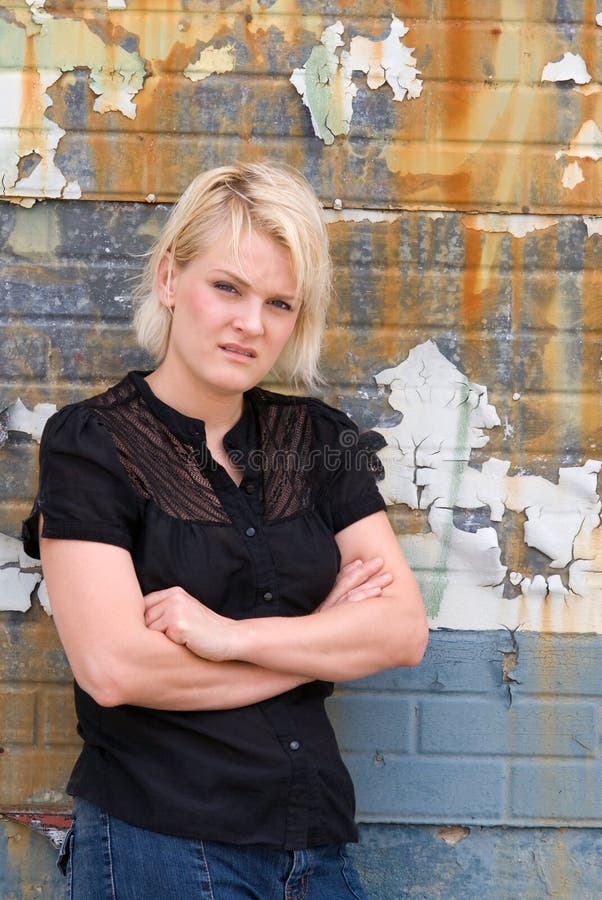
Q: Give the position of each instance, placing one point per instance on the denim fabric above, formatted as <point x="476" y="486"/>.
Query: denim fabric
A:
<point x="104" y="858"/>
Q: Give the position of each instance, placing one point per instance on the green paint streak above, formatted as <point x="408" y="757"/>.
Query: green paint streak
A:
<point x="318" y="90"/>
<point x="438" y="584"/>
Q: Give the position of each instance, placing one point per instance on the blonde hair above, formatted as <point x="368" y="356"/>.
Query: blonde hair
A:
<point x="274" y="199"/>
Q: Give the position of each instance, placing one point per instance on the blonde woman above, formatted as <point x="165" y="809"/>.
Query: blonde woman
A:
<point x="216" y="556"/>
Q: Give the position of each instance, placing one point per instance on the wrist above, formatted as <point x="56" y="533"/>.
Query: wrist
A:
<point x="242" y="640"/>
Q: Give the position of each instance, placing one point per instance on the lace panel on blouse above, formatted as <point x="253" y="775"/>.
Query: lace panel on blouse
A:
<point x="164" y="469"/>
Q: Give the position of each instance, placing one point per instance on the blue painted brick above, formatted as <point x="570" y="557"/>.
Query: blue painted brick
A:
<point x="372" y="722"/>
<point x="565" y="792"/>
<point x="414" y="789"/>
<point x="559" y="664"/>
<point x="454" y="661"/>
<point x="422" y="863"/>
<point x="469" y="725"/>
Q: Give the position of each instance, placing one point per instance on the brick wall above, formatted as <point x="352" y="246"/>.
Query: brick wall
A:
<point x="481" y="733"/>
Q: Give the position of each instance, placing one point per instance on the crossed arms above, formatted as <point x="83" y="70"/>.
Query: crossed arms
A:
<point x="168" y="651"/>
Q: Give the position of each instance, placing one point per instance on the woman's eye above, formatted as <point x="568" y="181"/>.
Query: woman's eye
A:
<point x="282" y="304"/>
<point x="225" y="286"/>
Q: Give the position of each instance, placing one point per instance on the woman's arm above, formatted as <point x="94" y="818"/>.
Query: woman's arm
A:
<point x="344" y="641"/>
<point x="98" y="609"/>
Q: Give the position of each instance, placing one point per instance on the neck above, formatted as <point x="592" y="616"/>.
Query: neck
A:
<point x="218" y="411"/>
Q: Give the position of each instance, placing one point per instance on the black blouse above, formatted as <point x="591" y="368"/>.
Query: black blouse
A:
<point x="124" y="468"/>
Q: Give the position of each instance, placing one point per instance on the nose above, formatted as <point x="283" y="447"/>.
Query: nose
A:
<point x="249" y="318"/>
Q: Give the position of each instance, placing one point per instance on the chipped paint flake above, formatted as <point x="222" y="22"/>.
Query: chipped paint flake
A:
<point x="38" y="13"/>
<point x="325" y="86"/>
<point x="388" y="61"/>
<point x="556" y="513"/>
<point x="571" y="67"/>
<point x="12" y="552"/>
<point x="586" y="144"/>
<point x="427" y="463"/>
<point x="211" y="61"/>
<point x="115" y="90"/>
<point x="360" y="215"/>
<point x="30" y="422"/>
<point x="325" y="81"/>
<point x="116" y="4"/>
<point x="517" y="225"/>
<point x="16" y="586"/>
<point x="24" y="127"/>
<point x="593" y="224"/>
<point x="572" y="176"/>
<point x="44" y="598"/>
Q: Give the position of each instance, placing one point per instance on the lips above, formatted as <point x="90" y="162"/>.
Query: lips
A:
<point x="237" y="350"/>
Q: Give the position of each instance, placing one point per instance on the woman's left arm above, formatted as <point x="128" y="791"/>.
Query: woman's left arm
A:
<point x="341" y="642"/>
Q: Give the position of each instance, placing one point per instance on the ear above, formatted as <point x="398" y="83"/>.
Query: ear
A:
<point x="167" y="277"/>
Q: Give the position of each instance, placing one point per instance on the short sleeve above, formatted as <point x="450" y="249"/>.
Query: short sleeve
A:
<point x="84" y="493"/>
<point x="349" y="490"/>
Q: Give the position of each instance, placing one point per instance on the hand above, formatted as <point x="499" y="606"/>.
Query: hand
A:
<point x="185" y="620"/>
<point x="357" y="581"/>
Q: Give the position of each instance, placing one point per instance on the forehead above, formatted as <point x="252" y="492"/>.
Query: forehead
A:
<point x="251" y="252"/>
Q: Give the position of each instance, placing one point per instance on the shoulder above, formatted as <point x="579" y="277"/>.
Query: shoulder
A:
<point x="80" y="426"/>
<point x="327" y="422"/>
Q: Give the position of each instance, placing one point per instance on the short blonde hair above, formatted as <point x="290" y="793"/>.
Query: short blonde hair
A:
<point x="276" y="200"/>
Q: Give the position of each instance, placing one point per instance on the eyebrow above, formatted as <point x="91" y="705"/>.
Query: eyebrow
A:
<point x="235" y="276"/>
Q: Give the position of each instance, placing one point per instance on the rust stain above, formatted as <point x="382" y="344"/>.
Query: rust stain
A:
<point x="472" y="300"/>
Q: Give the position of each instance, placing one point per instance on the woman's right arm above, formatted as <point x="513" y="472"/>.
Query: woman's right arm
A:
<point x="98" y="609"/>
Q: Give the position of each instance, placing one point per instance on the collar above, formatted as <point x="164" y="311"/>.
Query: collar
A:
<point x="242" y="436"/>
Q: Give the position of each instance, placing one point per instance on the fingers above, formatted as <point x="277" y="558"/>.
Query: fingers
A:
<point x="358" y="580"/>
<point x="356" y="572"/>
<point x="371" y="588"/>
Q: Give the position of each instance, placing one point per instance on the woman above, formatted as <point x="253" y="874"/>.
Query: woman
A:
<point x="205" y="544"/>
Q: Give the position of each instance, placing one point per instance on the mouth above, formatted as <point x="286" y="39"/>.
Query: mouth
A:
<point x="237" y="350"/>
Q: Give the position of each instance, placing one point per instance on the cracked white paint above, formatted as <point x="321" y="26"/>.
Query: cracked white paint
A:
<point x="556" y="513"/>
<point x="516" y="224"/>
<point x="427" y="464"/>
<point x="572" y="176"/>
<point x="116" y="76"/>
<point x="19" y="418"/>
<point x="571" y="67"/>
<point x="16" y="586"/>
<point x="325" y="82"/>
<point x="593" y="224"/>
<point x="586" y="143"/>
<point x="211" y="61"/>
<point x="115" y="90"/>
<point x="388" y="61"/>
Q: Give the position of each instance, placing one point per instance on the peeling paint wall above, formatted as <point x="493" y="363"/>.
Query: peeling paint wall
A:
<point x="457" y="149"/>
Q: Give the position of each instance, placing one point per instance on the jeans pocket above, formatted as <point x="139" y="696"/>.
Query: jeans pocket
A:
<point x="64" y="857"/>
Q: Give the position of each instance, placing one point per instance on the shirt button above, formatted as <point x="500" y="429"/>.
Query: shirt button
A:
<point x="294" y="745"/>
<point x="249" y="488"/>
<point x="250" y="532"/>
<point x="268" y="596"/>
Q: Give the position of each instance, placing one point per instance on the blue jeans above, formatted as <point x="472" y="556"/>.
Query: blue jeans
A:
<point x="107" y="859"/>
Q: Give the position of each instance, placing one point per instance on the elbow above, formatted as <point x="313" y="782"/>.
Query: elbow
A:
<point x="104" y="686"/>
<point x="410" y="648"/>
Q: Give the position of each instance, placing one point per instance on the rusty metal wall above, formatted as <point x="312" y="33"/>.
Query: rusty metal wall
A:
<point x="456" y="147"/>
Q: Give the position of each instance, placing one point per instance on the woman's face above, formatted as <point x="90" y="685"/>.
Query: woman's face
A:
<point x="231" y="316"/>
